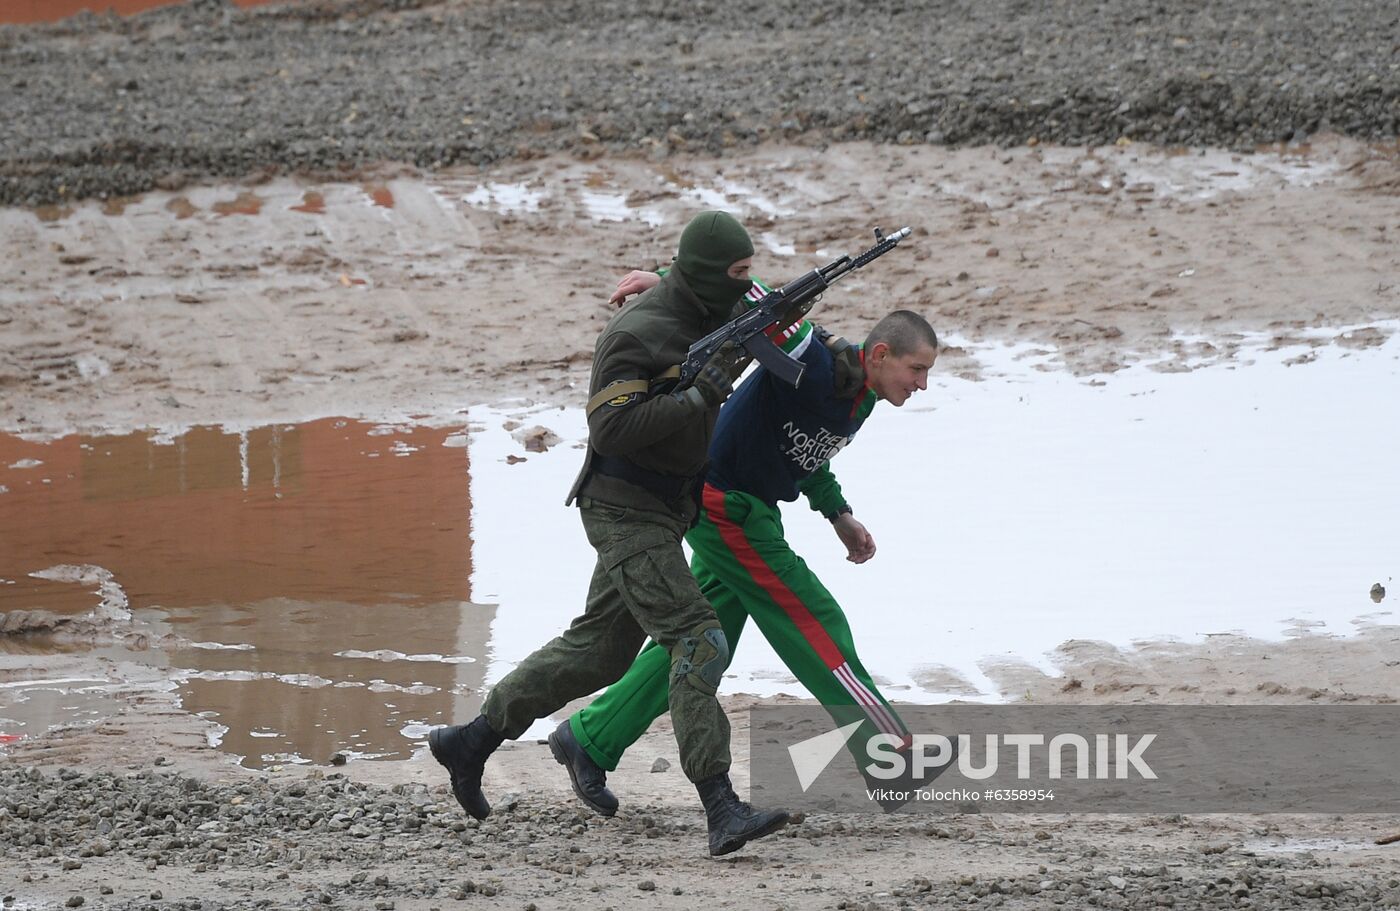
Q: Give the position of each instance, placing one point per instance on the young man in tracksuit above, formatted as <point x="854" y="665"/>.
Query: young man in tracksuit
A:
<point x="636" y="496"/>
<point x="772" y="442"/>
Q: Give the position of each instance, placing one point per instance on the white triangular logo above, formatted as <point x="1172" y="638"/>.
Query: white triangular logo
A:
<point x="811" y="757"/>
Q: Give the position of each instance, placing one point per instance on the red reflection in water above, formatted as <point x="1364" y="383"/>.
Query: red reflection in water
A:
<point x="244" y="203"/>
<point x="381" y="195"/>
<point x="312" y="203"/>
<point x="302" y="541"/>
<point x="24" y="11"/>
<point x="321" y="511"/>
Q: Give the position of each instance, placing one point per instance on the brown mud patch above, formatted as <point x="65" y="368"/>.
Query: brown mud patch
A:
<point x="486" y="286"/>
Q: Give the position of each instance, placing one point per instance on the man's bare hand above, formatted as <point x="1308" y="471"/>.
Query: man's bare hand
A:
<point x="634" y="282"/>
<point x="860" y="546"/>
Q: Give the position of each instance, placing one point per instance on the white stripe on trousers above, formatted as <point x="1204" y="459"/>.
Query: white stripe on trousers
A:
<point x="879" y="715"/>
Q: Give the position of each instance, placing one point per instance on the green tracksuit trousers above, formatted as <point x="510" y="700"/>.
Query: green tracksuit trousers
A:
<point x="746" y="569"/>
<point x="641" y="587"/>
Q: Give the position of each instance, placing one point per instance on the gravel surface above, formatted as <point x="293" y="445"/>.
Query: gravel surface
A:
<point x="339" y="842"/>
<point x="99" y="106"/>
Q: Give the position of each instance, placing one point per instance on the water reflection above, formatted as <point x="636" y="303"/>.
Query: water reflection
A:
<point x="323" y="677"/>
<point x="1031" y="507"/>
<point x="315" y="577"/>
<point x="26" y="11"/>
<point x="318" y="580"/>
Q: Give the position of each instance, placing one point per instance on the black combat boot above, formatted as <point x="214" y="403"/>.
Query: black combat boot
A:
<point x="463" y="750"/>
<point x="732" y="822"/>
<point x="590" y="781"/>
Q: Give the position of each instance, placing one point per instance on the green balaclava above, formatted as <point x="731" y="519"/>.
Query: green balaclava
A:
<point x="710" y="244"/>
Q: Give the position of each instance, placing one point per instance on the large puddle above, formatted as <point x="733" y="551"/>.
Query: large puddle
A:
<point x="338" y="585"/>
<point x="311" y="582"/>
<point x="1029" y="507"/>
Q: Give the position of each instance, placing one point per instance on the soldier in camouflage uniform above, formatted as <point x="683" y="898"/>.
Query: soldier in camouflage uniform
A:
<point x="637" y="497"/>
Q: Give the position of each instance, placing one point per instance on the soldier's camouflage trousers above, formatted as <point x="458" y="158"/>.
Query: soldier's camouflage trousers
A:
<point x="747" y="570"/>
<point x="641" y="587"/>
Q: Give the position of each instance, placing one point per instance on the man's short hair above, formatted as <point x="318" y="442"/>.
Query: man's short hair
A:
<point x="904" y="331"/>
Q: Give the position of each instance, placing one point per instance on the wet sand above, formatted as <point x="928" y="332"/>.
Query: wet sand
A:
<point x="397" y="824"/>
<point x="399" y="295"/>
<point x="217" y="313"/>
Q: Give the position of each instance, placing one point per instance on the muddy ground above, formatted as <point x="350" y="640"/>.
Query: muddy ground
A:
<point x="141" y="812"/>
<point x="396" y="294"/>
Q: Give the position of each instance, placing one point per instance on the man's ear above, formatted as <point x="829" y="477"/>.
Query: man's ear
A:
<point x="878" y="352"/>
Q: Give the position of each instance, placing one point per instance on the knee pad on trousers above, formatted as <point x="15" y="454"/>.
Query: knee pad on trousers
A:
<point x="701" y="657"/>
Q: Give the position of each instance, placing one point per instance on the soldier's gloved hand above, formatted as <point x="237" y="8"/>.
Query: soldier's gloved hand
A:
<point x="714" y="381"/>
<point x="850" y="374"/>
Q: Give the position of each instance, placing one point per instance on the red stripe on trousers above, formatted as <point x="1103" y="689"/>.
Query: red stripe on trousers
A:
<point x="738" y="543"/>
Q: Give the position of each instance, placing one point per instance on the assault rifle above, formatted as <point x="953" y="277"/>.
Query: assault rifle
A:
<point x="784" y="305"/>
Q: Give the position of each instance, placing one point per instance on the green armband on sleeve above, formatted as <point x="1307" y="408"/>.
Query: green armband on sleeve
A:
<point x="823" y="492"/>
